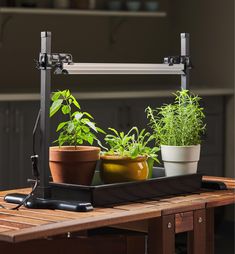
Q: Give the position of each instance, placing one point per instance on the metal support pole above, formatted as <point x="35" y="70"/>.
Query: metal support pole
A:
<point x="44" y="119"/>
<point x="185" y="52"/>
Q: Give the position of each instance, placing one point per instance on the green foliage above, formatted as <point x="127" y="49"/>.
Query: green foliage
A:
<point x="132" y="144"/>
<point x="79" y="127"/>
<point x="180" y="123"/>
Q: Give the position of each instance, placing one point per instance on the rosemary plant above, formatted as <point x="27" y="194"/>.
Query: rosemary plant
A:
<point x="180" y="123"/>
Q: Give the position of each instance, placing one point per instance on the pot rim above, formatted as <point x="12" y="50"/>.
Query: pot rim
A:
<point x="71" y="149"/>
<point x="122" y="158"/>
<point x="198" y="145"/>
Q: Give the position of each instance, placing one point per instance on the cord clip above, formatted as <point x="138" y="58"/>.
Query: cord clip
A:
<point x="35" y="171"/>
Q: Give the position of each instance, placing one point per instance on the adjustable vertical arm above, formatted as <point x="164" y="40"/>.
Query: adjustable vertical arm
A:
<point x="44" y="119"/>
<point x="185" y="52"/>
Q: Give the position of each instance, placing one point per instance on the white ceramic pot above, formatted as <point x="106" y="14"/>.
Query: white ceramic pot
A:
<point x="180" y="160"/>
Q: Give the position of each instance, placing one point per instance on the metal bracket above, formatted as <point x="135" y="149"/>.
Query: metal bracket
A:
<point x="55" y="60"/>
<point x="171" y="60"/>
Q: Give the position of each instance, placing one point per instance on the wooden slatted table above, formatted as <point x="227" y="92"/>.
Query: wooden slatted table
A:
<point x="161" y="218"/>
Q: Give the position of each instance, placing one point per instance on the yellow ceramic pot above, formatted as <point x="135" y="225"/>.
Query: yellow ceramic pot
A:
<point x="116" y="169"/>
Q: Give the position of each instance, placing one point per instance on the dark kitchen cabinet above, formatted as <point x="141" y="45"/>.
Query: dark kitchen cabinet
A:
<point x="4" y="144"/>
<point x="212" y="150"/>
<point x="16" y="123"/>
<point x="22" y="118"/>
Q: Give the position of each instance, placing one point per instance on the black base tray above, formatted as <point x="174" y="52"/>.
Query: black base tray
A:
<point x="109" y="194"/>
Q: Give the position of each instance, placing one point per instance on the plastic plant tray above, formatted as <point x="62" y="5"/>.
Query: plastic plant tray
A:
<point x="109" y="194"/>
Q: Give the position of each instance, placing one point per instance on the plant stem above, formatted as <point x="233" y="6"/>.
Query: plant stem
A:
<point x="70" y="119"/>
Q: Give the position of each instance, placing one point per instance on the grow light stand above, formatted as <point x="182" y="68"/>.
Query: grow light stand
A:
<point x="63" y="64"/>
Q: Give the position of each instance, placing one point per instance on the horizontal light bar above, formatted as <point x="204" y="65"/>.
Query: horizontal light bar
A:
<point x="122" y="68"/>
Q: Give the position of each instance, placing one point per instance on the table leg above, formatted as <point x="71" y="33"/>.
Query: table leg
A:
<point x="197" y="237"/>
<point x="161" y="235"/>
<point x="210" y="231"/>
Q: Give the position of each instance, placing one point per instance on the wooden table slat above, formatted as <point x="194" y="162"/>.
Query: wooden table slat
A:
<point x="79" y="224"/>
<point x="31" y="215"/>
<point x="15" y="225"/>
<point x="4" y="229"/>
<point x="133" y="206"/>
<point x="22" y="220"/>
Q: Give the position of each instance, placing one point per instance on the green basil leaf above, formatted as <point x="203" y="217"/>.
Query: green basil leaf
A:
<point x="113" y="130"/>
<point x="89" y="115"/>
<point x="91" y="125"/>
<point x="67" y="93"/>
<point x="75" y="102"/>
<point x="60" y="126"/>
<point x="55" y="96"/>
<point x="86" y="129"/>
<point x="66" y="109"/>
<point x="100" y="130"/>
<point x="55" y="106"/>
<point x="70" y="127"/>
<point x="90" y="140"/>
<point x="78" y="116"/>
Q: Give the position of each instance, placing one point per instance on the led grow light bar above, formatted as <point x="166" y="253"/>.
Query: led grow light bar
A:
<point x="123" y="68"/>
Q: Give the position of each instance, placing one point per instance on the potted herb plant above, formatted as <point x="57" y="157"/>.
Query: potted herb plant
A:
<point x="178" y="128"/>
<point x="71" y="161"/>
<point x="126" y="159"/>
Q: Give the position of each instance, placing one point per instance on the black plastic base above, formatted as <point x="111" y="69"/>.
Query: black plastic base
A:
<point x="40" y="203"/>
<point x="213" y="185"/>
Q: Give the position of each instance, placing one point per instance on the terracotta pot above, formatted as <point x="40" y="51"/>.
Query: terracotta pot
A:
<point x="73" y="165"/>
<point x="115" y="169"/>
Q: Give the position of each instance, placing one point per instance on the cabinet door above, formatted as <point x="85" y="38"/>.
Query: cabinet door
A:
<point x="23" y="116"/>
<point x="212" y="148"/>
<point x="4" y="145"/>
<point x="212" y="143"/>
<point x="106" y="113"/>
<point x="135" y="114"/>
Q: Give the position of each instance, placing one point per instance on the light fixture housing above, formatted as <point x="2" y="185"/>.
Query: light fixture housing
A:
<point x="122" y="69"/>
